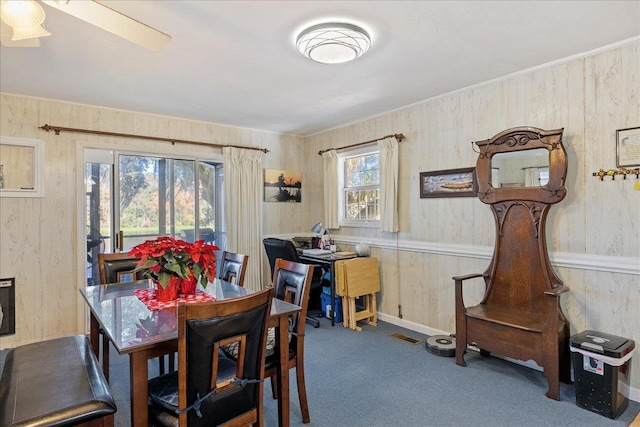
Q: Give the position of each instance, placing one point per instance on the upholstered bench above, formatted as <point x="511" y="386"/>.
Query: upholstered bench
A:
<point x="55" y="383"/>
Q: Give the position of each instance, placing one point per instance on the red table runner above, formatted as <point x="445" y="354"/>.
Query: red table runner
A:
<point x="148" y="297"/>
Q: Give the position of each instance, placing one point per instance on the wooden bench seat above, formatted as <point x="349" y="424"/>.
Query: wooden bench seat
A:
<point x="55" y="383"/>
<point x="533" y="322"/>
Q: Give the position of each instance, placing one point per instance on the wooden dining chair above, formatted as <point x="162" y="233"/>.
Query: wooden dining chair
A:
<point x="210" y="388"/>
<point x="292" y="283"/>
<point x="115" y="268"/>
<point x="233" y="267"/>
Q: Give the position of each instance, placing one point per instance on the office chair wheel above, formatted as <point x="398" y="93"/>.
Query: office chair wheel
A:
<point x="312" y="321"/>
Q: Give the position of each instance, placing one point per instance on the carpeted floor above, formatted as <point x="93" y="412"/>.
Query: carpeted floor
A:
<point x="370" y="379"/>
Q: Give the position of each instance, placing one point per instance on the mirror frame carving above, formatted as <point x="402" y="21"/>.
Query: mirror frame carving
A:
<point x="522" y="139"/>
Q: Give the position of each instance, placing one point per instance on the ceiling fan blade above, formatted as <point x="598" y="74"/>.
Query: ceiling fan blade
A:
<point x="6" y="32"/>
<point x="115" y="22"/>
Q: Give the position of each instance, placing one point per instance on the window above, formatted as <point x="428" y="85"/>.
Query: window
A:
<point x="360" y="188"/>
<point x="131" y="198"/>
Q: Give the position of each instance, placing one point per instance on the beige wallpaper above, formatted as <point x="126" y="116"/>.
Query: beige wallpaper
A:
<point x="39" y="242"/>
<point x="598" y="223"/>
<point x="593" y="233"/>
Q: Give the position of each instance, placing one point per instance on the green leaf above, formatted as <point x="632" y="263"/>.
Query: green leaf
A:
<point x="163" y="278"/>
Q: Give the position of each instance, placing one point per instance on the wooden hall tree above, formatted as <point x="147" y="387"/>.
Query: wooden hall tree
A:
<point x="520" y="315"/>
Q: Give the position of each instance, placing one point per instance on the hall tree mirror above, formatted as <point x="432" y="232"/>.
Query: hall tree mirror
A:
<point x="529" y="168"/>
<point x="21" y="167"/>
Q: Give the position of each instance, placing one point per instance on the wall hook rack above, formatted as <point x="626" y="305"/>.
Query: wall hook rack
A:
<point x="613" y="172"/>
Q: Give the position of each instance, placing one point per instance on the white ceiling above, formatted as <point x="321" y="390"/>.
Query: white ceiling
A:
<point x="235" y="62"/>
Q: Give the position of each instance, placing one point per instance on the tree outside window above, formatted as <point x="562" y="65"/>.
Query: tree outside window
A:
<point x="362" y="187"/>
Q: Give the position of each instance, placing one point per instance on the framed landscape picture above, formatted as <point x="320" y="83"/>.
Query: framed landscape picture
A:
<point x="448" y="183"/>
<point x="282" y="186"/>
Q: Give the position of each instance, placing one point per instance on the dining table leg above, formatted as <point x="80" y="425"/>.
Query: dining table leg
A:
<point x="283" y="371"/>
<point x="94" y="335"/>
<point x="139" y="372"/>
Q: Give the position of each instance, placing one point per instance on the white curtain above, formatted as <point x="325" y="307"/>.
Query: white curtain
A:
<point x="531" y="177"/>
<point x="330" y="189"/>
<point x="243" y="208"/>
<point x="388" y="185"/>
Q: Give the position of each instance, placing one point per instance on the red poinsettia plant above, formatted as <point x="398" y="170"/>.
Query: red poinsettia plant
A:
<point x="166" y="257"/>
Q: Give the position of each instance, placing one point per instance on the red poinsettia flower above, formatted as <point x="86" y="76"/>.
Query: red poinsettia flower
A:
<point x="164" y="257"/>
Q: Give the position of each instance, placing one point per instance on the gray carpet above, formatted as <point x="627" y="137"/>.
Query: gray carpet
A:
<point x="370" y="379"/>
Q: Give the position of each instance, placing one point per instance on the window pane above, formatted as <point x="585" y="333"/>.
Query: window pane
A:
<point x="372" y="161"/>
<point x="371" y="177"/>
<point x="362" y="205"/>
<point x="141" y="180"/>
<point x="98" y="219"/>
<point x="184" y="196"/>
<point x="361" y="191"/>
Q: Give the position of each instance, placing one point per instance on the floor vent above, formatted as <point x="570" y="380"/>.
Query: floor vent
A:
<point x="406" y="338"/>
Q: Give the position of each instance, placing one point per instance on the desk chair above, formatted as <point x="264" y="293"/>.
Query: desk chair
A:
<point x="285" y="249"/>
<point x="210" y="389"/>
<point x="233" y="267"/>
<point x="116" y="268"/>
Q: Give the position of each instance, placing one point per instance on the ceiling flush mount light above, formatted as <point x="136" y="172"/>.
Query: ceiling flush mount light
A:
<point x="333" y="43"/>
<point x="25" y="17"/>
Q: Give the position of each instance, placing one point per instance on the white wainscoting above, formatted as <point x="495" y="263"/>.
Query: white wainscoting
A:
<point x="602" y="263"/>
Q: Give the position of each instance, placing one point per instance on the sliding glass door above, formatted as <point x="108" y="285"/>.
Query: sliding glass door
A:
<point x="155" y="196"/>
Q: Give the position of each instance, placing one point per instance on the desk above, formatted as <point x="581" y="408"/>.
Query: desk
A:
<point x="144" y="334"/>
<point x="327" y="261"/>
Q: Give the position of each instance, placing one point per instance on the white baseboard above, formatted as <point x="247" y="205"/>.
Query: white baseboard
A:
<point x="634" y="393"/>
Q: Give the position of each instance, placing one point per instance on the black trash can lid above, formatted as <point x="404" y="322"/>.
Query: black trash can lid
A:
<point x="599" y="342"/>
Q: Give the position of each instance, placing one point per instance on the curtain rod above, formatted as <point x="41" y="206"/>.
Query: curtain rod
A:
<point x="58" y="129"/>
<point x="397" y="136"/>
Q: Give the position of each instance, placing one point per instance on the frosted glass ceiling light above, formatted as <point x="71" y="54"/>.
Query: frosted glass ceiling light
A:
<point x="333" y="43"/>
<point x="25" y="17"/>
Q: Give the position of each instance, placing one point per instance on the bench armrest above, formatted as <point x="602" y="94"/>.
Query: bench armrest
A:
<point x="459" y="299"/>
<point x="470" y="276"/>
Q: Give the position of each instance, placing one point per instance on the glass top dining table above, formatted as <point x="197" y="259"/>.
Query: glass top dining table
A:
<point x="136" y="330"/>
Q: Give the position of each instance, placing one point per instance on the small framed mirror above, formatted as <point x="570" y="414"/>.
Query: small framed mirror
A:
<point x="21" y="167"/>
<point x="524" y="169"/>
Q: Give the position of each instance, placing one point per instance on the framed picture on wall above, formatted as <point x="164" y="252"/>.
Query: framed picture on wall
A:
<point x="282" y="186"/>
<point x="448" y="183"/>
<point x="628" y="147"/>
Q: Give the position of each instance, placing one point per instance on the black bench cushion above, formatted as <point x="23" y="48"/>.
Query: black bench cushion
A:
<point x="54" y="383"/>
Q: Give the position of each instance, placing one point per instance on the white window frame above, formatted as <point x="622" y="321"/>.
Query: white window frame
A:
<point x="342" y="221"/>
<point x="37" y="174"/>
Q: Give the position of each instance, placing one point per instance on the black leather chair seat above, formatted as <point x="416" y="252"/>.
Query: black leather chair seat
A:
<point x="54" y="383"/>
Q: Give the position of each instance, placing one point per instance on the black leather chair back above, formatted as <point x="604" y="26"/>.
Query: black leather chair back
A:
<point x="201" y="329"/>
<point x="201" y="335"/>
<point x="233" y="267"/>
<point x="112" y="266"/>
<point x="293" y="284"/>
<point x="279" y="248"/>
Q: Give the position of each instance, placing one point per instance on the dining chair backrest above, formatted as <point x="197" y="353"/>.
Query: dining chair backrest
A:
<point x="292" y="283"/>
<point x="219" y="388"/>
<point x="233" y="267"/>
<point x="117" y="267"/>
